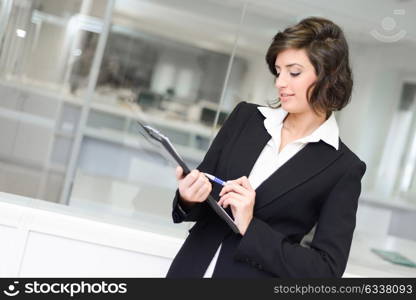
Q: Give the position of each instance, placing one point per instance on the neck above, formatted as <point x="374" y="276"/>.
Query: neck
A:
<point x="303" y="124"/>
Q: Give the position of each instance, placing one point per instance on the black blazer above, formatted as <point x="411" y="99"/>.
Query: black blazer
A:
<point x="317" y="186"/>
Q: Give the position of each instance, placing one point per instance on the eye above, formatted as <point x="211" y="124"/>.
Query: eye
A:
<point x="295" y="74"/>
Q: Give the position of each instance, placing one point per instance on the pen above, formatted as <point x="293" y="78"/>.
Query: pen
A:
<point x="215" y="179"/>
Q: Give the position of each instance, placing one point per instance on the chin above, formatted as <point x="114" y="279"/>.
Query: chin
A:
<point x="287" y="107"/>
<point x="293" y="108"/>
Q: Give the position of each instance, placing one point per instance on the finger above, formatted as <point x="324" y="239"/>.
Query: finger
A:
<point x="224" y="199"/>
<point x="179" y="173"/>
<point x="233" y="187"/>
<point x="186" y="183"/>
<point x="203" y="192"/>
<point x="233" y="202"/>
<point x="234" y="195"/>
<point x="190" y="179"/>
<point x="192" y="192"/>
<point x="221" y="200"/>
<point x="243" y="181"/>
<point x="246" y="183"/>
<point x="198" y="184"/>
<point x="237" y="181"/>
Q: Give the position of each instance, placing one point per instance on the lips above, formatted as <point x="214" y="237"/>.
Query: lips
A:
<point x="285" y="96"/>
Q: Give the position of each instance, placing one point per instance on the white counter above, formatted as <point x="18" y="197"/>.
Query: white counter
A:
<point x="50" y="240"/>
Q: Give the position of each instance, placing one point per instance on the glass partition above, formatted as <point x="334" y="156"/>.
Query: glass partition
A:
<point x="165" y="72"/>
<point x="40" y="44"/>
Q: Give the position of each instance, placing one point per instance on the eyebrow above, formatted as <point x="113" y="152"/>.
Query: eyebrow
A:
<point x="290" y="65"/>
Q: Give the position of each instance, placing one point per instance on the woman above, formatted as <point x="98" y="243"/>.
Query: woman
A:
<point x="288" y="172"/>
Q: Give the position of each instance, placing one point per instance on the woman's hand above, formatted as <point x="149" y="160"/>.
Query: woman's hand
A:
<point x="241" y="196"/>
<point x="194" y="187"/>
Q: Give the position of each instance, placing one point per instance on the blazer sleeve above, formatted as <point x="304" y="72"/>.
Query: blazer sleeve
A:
<point x="208" y="165"/>
<point x="265" y="248"/>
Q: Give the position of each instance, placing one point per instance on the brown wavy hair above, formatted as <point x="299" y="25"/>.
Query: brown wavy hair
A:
<point x="327" y="50"/>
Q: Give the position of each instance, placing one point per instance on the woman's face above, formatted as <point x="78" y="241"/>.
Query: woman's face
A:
<point x="295" y="74"/>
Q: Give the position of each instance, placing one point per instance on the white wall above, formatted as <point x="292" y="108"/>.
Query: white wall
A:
<point x="379" y="72"/>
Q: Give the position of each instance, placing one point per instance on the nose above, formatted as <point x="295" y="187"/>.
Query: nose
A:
<point x="280" y="82"/>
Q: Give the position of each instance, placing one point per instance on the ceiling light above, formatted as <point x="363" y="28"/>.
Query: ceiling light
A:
<point x="21" y="33"/>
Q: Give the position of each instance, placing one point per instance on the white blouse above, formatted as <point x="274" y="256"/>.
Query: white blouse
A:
<point x="270" y="159"/>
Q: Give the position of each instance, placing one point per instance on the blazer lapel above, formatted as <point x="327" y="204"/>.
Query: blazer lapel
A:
<point x="308" y="162"/>
<point x="249" y="147"/>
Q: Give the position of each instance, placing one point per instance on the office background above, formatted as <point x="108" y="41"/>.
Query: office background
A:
<point x="75" y="75"/>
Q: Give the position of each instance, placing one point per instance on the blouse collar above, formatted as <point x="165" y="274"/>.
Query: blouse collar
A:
<point x="327" y="131"/>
